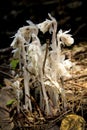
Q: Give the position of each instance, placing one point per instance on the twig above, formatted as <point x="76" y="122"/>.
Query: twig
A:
<point x="4" y="66"/>
<point x="2" y="108"/>
<point x="25" y="115"/>
<point x="5" y="50"/>
<point x="76" y="84"/>
<point x="53" y="122"/>
<point x="76" y="77"/>
<point x="79" y="28"/>
<point x="35" y="103"/>
<point x="4" y="73"/>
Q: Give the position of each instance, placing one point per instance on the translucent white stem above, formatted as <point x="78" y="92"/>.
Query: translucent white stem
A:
<point x="27" y="91"/>
<point x="54" y="44"/>
<point x="26" y="82"/>
<point x="47" y="108"/>
<point x="58" y="49"/>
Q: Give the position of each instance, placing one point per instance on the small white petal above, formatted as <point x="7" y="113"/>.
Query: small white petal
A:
<point x="67" y="31"/>
<point x="62" y="72"/>
<point x="67" y="63"/>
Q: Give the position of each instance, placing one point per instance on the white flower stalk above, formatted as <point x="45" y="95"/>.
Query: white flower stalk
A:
<point x="51" y="26"/>
<point x="34" y="54"/>
<point x="64" y="39"/>
<point x="53" y="30"/>
<point x="21" y="38"/>
<point x="52" y="87"/>
<point x="19" y="93"/>
<point x="63" y="65"/>
<point x="26" y="80"/>
<point x="46" y="102"/>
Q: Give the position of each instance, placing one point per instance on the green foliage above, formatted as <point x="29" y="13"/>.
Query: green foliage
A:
<point x="14" y="63"/>
<point x="1" y="86"/>
<point x="10" y="102"/>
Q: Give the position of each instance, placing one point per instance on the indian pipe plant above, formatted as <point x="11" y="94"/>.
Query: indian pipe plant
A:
<point x="43" y="63"/>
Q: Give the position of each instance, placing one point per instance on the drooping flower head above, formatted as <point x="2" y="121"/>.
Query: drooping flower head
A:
<point x="65" y="38"/>
<point x="45" y="26"/>
<point x="24" y="35"/>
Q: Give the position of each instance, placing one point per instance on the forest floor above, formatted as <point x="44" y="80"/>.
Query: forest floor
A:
<point x="75" y="90"/>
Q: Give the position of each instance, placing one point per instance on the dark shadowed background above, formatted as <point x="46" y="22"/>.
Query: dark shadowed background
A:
<point x="70" y="14"/>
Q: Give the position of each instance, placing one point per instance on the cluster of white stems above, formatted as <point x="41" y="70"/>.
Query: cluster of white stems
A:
<point x="46" y="65"/>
